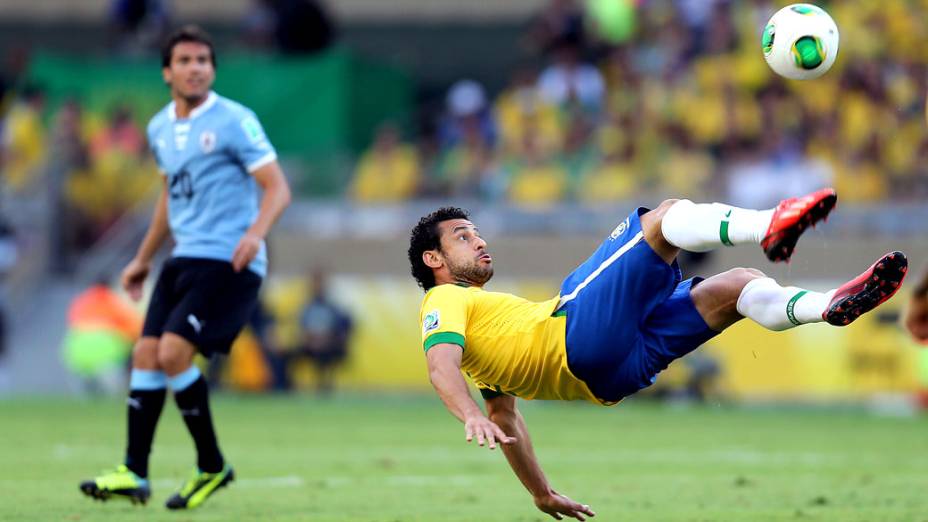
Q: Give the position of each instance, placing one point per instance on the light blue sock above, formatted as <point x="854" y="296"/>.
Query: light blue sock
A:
<point x="184" y="379"/>
<point x="147" y="380"/>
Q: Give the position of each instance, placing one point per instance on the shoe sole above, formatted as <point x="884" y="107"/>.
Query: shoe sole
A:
<point x="884" y="281"/>
<point x="784" y="243"/>
<point x="135" y="496"/>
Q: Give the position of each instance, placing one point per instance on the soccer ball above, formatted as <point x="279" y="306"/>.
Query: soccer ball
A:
<point x="800" y="42"/>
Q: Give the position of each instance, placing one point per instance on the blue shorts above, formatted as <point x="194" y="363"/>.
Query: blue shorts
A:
<point x="629" y="315"/>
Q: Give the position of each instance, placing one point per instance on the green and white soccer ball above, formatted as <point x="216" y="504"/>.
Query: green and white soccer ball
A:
<point x="800" y="42"/>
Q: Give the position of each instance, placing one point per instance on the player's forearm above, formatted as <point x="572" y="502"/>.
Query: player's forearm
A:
<point x="276" y="198"/>
<point x="521" y="455"/>
<point x="452" y="388"/>
<point x="158" y="230"/>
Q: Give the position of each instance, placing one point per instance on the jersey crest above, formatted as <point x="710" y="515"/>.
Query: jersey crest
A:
<point x="431" y="322"/>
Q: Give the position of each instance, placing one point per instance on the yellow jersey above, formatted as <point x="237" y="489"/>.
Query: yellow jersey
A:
<point x="511" y="345"/>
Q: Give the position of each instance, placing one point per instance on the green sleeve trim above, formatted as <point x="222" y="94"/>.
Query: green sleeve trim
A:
<point x="444" y="337"/>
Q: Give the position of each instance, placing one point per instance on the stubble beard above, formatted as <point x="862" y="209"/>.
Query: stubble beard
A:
<point x="473" y="274"/>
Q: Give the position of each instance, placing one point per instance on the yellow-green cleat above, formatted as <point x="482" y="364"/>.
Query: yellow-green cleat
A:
<point x="119" y="483"/>
<point x="199" y="487"/>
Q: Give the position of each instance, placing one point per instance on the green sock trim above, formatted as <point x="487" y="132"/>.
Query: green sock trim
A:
<point x="723" y="234"/>
<point x="791" y="306"/>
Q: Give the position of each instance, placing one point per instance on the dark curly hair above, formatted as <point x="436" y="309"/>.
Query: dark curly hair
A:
<point x="425" y="236"/>
<point x="187" y="33"/>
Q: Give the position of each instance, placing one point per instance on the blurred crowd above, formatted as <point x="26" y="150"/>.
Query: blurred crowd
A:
<point x="674" y="98"/>
<point x="622" y="99"/>
<point x="98" y="161"/>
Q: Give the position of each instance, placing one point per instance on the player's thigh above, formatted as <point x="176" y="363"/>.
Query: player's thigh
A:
<point x="215" y="307"/>
<point x="651" y="223"/>
<point x="164" y="298"/>
<point x="610" y="294"/>
<point x="694" y="313"/>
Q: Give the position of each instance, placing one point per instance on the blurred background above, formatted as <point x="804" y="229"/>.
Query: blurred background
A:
<point x="551" y="120"/>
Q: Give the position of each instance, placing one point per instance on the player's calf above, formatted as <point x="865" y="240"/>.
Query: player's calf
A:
<point x="716" y="298"/>
<point x="703" y="227"/>
<point x="780" y="308"/>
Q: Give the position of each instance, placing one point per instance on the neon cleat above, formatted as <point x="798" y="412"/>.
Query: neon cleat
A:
<point x="791" y="218"/>
<point x="868" y="290"/>
<point x="199" y="487"/>
<point x="121" y="482"/>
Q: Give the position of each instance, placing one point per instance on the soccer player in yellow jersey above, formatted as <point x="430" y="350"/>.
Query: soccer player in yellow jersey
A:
<point x="619" y="319"/>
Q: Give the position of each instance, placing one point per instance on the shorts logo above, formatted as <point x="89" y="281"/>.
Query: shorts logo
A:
<point x="431" y="322"/>
<point x="619" y="230"/>
<point x="207" y="142"/>
<point x="195" y="323"/>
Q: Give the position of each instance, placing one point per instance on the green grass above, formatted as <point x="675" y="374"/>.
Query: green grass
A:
<point x="404" y="459"/>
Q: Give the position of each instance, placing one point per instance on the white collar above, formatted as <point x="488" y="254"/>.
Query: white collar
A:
<point x="211" y="100"/>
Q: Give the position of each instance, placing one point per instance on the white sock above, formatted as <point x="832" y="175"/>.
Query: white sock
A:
<point x="780" y="308"/>
<point x="703" y="227"/>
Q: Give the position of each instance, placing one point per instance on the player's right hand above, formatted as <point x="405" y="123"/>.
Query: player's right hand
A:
<point x="916" y="318"/>
<point x="486" y="431"/>
<point x="559" y="506"/>
<point x="133" y="277"/>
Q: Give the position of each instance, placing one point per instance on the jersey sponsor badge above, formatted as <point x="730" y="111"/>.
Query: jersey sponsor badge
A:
<point x="431" y="322"/>
<point x="619" y="230"/>
<point x="252" y="129"/>
<point x="207" y="141"/>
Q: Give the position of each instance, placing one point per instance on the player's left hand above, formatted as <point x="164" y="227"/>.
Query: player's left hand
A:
<point x="246" y="251"/>
<point x="559" y="506"/>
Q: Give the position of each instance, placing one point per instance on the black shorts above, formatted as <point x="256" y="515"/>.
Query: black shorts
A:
<point x="202" y="300"/>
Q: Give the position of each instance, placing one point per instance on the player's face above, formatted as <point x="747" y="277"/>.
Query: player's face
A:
<point x="191" y="71"/>
<point x="465" y="252"/>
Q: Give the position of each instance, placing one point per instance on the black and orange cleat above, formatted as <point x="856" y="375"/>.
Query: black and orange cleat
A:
<point x="868" y="290"/>
<point x="791" y="218"/>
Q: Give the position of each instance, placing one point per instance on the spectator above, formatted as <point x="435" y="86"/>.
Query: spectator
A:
<point x="293" y="26"/>
<point x="137" y="26"/>
<point x="521" y="107"/>
<point x="537" y="179"/>
<point x="326" y="331"/>
<point x="467" y="111"/>
<point x="569" y="80"/>
<point x="23" y="140"/>
<point x="558" y="20"/>
<point x="102" y="328"/>
<point x="388" y="171"/>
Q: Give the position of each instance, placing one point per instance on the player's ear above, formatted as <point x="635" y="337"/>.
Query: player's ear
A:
<point x="166" y="75"/>
<point x="432" y="259"/>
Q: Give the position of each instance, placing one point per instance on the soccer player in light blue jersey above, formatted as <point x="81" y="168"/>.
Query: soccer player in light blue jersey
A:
<point x="214" y="157"/>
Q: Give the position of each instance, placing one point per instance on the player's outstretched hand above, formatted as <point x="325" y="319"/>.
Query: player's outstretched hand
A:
<point x="246" y="251"/>
<point x="133" y="277"/>
<point x="485" y="431"/>
<point x="559" y="506"/>
<point x="916" y="318"/>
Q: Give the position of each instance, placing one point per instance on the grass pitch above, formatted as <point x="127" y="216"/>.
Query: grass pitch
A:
<point x="403" y="459"/>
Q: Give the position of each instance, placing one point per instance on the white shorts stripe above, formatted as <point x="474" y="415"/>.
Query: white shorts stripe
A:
<point x="605" y="264"/>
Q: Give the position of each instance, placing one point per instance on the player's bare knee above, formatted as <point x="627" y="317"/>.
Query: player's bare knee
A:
<point x="145" y="354"/>
<point x="172" y="360"/>
<point x="742" y="276"/>
<point x="665" y="206"/>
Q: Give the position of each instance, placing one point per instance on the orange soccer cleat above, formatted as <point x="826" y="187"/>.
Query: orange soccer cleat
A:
<point x="791" y="218"/>
<point x="868" y="290"/>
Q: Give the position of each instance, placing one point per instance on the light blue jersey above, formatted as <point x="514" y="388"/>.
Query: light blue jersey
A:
<point x="207" y="159"/>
